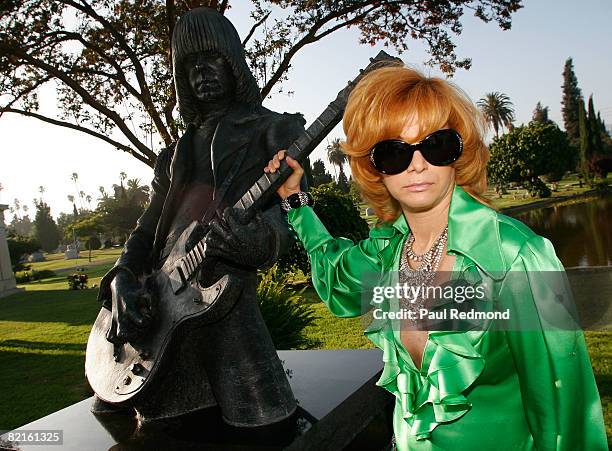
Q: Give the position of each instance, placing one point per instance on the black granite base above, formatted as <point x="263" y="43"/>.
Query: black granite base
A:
<point x="339" y="407"/>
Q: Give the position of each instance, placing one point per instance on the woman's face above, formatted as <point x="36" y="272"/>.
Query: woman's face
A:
<point x="422" y="185"/>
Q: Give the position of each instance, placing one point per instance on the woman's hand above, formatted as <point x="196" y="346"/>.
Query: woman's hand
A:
<point x="292" y="184"/>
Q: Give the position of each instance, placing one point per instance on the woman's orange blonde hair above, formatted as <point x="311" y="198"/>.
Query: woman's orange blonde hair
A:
<point x="378" y="108"/>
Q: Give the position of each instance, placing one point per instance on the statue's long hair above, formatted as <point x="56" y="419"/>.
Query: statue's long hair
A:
<point x="205" y="29"/>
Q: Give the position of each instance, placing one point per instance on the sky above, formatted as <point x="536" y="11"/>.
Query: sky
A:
<point x="525" y="63"/>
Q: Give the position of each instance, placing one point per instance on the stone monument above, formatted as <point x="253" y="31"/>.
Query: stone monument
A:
<point x="7" y="278"/>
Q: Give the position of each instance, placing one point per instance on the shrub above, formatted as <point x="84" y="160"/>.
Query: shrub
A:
<point x="31" y="275"/>
<point x="537" y="188"/>
<point x="283" y="310"/>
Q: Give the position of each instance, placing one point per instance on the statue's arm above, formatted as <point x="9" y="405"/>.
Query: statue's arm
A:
<point x="280" y="135"/>
<point x="136" y="256"/>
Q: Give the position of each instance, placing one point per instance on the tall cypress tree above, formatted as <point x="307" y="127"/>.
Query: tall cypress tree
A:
<point x="45" y="228"/>
<point x="594" y="128"/>
<point x="586" y="142"/>
<point x="570" y="103"/>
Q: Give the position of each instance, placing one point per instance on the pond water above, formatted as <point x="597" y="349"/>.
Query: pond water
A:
<point x="580" y="232"/>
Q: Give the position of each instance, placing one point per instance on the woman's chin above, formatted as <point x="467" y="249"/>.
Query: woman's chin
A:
<point x="419" y="201"/>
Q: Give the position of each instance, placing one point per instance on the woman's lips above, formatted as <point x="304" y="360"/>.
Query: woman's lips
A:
<point x="416" y="187"/>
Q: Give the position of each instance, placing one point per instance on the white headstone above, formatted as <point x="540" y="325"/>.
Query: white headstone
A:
<point x="7" y="278"/>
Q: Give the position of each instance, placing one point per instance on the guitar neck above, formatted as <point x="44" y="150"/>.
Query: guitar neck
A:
<point x="268" y="183"/>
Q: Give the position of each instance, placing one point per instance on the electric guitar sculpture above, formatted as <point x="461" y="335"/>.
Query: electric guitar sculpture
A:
<point x="118" y="375"/>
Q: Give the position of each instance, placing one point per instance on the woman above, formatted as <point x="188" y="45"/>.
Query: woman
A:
<point x="475" y="388"/>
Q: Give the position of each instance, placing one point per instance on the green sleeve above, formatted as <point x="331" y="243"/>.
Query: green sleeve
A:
<point x="560" y="398"/>
<point x="337" y="264"/>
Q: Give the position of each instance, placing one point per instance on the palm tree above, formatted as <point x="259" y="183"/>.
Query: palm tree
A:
<point x="41" y="190"/>
<point x="75" y="179"/>
<point x="335" y="155"/>
<point x="498" y="110"/>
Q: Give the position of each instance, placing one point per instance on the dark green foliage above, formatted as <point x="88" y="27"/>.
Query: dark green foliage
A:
<point x="570" y="103"/>
<point x="586" y="143"/>
<point x="594" y="128"/>
<point x="45" y="228"/>
<point x="93" y="243"/>
<point x="339" y="215"/>
<point x="343" y="181"/>
<point x="284" y="310"/>
<point x="319" y="174"/>
<point x="18" y="246"/>
<point x="540" y="114"/>
<point x="31" y="275"/>
<point x="537" y="188"/>
<point x="528" y="152"/>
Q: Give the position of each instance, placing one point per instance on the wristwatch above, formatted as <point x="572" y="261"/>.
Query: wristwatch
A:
<point x="297" y="200"/>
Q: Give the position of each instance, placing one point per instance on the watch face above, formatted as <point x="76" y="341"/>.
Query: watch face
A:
<point x="294" y="201"/>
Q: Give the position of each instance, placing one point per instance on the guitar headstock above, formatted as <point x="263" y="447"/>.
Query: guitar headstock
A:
<point x="381" y="60"/>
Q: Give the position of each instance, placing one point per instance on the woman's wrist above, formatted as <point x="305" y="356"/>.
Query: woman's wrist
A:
<point x="296" y="200"/>
<point x="289" y="193"/>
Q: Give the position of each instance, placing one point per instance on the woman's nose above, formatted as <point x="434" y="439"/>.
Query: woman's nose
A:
<point x="418" y="163"/>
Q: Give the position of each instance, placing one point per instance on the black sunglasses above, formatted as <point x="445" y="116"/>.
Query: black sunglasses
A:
<point x="393" y="156"/>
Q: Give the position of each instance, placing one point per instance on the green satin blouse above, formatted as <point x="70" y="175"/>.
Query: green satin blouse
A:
<point x="476" y="389"/>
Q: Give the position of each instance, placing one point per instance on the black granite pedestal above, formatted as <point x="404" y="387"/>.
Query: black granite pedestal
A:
<point x="339" y="408"/>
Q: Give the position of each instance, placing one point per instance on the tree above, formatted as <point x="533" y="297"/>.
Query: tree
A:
<point x="540" y="114"/>
<point x="45" y="228"/>
<point x="120" y="211"/>
<point x="528" y="152"/>
<point x="343" y="181"/>
<point x="570" y="103"/>
<point x="335" y="155"/>
<point x="21" y="226"/>
<point x="497" y="109"/>
<point x="19" y="246"/>
<point x="319" y="173"/>
<point x="111" y="61"/>
<point x="595" y="128"/>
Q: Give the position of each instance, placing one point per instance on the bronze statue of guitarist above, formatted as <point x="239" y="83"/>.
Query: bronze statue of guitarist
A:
<point x="230" y="137"/>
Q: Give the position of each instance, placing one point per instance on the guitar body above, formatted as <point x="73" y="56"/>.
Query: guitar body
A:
<point x="119" y="379"/>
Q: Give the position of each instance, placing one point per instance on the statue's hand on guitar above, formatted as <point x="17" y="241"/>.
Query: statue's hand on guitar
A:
<point x="250" y="244"/>
<point x="132" y="309"/>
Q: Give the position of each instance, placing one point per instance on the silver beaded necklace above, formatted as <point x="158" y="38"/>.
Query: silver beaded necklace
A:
<point x="424" y="274"/>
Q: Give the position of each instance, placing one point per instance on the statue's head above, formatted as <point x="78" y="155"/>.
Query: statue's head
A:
<point x="209" y="63"/>
<point x="210" y="77"/>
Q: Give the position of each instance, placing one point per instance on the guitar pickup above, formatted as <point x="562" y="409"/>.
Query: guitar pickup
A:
<point x="177" y="279"/>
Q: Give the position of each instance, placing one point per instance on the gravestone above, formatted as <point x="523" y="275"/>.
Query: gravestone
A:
<point x="37" y="256"/>
<point x="72" y="252"/>
<point x="7" y="278"/>
<point x="340" y="407"/>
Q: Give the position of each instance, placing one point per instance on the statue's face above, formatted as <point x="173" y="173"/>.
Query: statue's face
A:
<point x="210" y="77"/>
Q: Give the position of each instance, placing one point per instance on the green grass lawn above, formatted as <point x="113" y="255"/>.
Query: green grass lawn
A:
<point x="44" y="330"/>
<point x="57" y="262"/>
